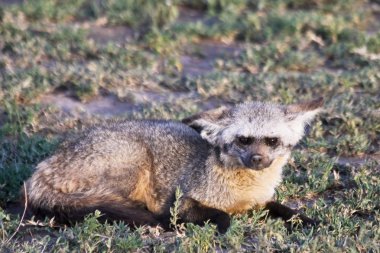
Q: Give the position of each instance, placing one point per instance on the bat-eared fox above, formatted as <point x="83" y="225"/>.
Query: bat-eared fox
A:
<point x="225" y="161"/>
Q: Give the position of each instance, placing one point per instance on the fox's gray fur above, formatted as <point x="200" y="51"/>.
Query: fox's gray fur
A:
<point x="225" y="161"/>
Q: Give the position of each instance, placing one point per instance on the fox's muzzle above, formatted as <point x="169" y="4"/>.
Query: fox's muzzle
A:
<point x="255" y="161"/>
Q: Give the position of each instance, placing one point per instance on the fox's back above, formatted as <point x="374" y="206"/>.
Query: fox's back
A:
<point x="166" y="140"/>
<point x="172" y="144"/>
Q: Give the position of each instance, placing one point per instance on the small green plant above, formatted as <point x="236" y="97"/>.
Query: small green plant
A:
<point x="174" y="210"/>
<point x="199" y="238"/>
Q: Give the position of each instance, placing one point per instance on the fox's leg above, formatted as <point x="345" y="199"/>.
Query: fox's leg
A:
<point x="277" y="210"/>
<point x="131" y="213"/>
<point x="194" y="212"/>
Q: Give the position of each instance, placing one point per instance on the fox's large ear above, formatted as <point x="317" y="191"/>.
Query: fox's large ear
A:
<point x="208" y="123"/>
<point x="301" y="114"/>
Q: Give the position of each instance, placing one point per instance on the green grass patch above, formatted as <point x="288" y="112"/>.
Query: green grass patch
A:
<point x="280" y="51"/>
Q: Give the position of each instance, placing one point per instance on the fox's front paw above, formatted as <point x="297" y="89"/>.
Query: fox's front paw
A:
<point x="222" y="221"/>
<point x="300" y="221"/>
<point x="194" y="212"/>
<point x="306" y="221"/>
<point x="290" y="216"/>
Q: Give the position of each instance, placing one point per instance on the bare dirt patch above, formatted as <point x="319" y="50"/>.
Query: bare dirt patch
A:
<point x="10" y="2"/>
<point x="358" y="161"/>
<point x="109" y="105"/>
<point x="102" y="105"/>
<point x="201" y="57"/>
<point x="189" y="15"/>
<point x="104" y="35"/>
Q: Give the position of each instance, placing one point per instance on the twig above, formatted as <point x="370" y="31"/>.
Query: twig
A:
<point x="23" y="214"/>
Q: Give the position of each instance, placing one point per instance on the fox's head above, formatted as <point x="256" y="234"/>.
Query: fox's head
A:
<point x="254" y="134"/>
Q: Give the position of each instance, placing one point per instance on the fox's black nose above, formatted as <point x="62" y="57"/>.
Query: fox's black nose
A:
<point x="252" y="160"/>
<point x="257" y="158"/>
<point x="256" y="161"/>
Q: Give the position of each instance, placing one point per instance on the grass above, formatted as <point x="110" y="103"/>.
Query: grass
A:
<point x="178" y="57"/>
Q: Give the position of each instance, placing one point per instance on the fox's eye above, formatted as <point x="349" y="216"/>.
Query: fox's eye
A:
<point x="272" y="142"/>
<point x="245" y="140"/>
